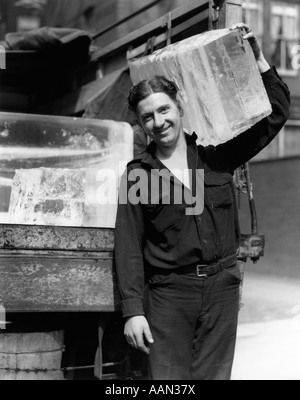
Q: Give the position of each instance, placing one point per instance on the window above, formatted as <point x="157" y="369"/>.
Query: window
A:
<point x="28" y="22"/>
<point x="285" y="35"/>
<point x="253" y="16"/>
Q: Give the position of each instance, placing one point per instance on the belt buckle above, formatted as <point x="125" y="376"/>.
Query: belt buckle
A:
<point x="198" y="269"/>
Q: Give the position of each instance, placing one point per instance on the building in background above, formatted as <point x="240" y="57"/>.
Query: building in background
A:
<point x="277" y="24"/>
<point x="275" y="171"/>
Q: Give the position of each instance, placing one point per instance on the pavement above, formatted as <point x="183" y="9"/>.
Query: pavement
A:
<point x="268" y="339"/>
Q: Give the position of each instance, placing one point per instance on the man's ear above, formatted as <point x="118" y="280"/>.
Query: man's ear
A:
<point x="178" y="102"/>
<point x="181" y="112"/>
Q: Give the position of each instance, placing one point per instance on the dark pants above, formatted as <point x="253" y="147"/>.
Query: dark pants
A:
<point x="193" y="321"/>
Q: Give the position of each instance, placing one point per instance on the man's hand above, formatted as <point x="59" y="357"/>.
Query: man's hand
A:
<point x="136" y="330"/>
<point x="262" y="63"/>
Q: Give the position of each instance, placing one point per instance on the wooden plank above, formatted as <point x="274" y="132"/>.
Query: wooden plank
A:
<point x="31" y="362"/>
<point x="159" y="40"/>
<point x="35" y="237"/>
<point x="10" y="375"/>
<point x="94" y="255"/>
<point x="230" y="13"/>
<point x="153" y="29"/>
<point x="44" y="284"/>
<point x="36" y="351"/>
<point x="31" y="342"/>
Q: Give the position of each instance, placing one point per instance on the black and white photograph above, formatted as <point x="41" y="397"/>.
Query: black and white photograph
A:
<point x="149" y="193"/>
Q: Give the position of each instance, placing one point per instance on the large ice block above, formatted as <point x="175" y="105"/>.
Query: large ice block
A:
<point x="30" y="145"/>
<point x="221" y="89"/>
<point x="48" y="196"/>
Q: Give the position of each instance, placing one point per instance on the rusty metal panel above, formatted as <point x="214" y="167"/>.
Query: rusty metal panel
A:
<point x="39" y="282"/>
<point x="50" y="268"/>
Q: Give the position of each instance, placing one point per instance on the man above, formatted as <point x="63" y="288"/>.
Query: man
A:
<point x="177" y="271"/>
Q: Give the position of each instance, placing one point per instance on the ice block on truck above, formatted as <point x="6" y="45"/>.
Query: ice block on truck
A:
<point x="48" y="196"/>
<point x="37" y="156"/>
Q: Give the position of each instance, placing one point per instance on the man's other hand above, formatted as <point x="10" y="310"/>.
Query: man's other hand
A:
<point x="138" y="334"/>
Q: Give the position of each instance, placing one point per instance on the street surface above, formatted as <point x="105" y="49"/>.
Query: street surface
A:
<point x="268" y="342"/>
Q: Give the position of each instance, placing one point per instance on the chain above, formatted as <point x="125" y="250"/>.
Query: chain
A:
<point x="240" y="181"/>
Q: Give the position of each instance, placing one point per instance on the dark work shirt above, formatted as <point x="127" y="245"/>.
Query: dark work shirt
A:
<point x="153" y="234"/>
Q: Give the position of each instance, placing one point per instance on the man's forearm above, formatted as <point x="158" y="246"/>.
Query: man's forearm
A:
<point x="262" y="64"/>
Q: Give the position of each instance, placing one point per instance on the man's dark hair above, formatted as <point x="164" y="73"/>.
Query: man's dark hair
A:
<point x="146" y="87"/>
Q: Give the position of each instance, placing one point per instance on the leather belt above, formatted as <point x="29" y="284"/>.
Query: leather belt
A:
<point x="200" y="269"/>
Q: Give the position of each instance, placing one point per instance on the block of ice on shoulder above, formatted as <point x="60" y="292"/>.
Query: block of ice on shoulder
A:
<point x="221" y="89"/>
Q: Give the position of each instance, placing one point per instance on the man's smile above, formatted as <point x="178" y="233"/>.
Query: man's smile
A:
<point x="162" y="131"/>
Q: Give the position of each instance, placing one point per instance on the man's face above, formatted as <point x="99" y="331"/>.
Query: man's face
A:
<point x="160" y="117"/>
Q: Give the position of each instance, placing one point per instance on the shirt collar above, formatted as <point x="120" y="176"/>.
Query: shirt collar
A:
<point x="149" y="154"/>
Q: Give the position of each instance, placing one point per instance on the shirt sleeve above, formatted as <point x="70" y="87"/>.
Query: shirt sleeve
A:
<point x="129" y="234"/>
<point x="235" y="152"/>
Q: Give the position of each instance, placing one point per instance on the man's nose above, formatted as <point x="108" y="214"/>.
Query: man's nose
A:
<point x="158" y="120"/>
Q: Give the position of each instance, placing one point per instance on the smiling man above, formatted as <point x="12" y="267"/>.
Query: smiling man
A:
<point x="177" y="271"/>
